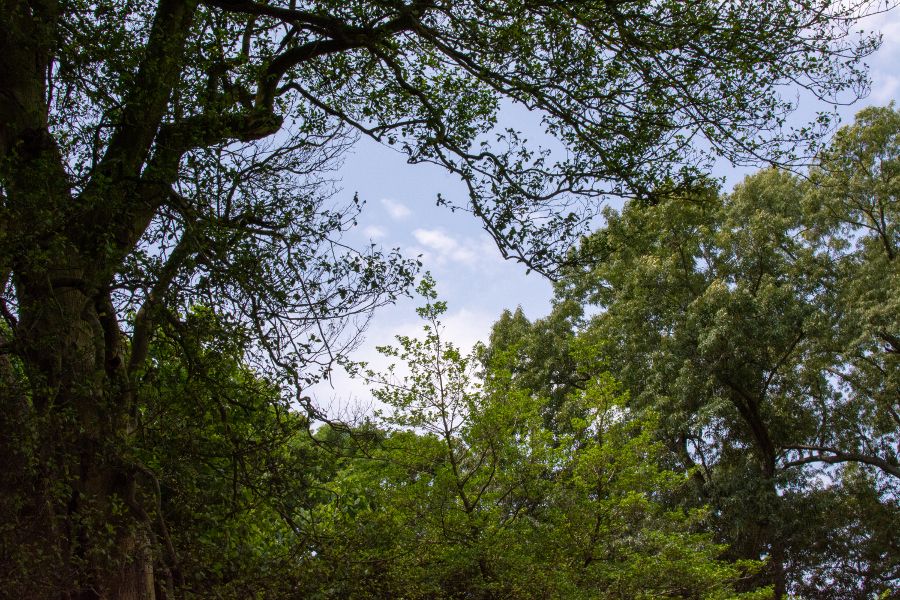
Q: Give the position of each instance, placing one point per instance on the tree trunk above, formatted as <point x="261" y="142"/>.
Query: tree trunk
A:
<point x="774" y="536"/>
<point x="82" y="493"/>
<point x="748" y="406"/>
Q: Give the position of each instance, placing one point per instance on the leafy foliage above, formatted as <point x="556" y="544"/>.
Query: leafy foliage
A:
<point x="470" y="495"/>
<point x="757" y="325"/>
<point x="157" y="156"/>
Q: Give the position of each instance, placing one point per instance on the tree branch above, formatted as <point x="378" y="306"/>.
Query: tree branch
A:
<point x="839" y="456"/>
<point x="343" y="37"/>
<point x="315" y="22"/>
<point x="144" y="319"/>
<point x="146" y="104"/>
<point x="748" y="407"/>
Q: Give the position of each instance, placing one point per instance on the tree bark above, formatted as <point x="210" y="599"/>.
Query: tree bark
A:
<point x="83" y="414"/>
<point x="76" y="530"/>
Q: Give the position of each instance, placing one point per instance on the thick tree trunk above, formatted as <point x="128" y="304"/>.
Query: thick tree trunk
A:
<point x="82" y="415"/>
<point x="77" y="530"/>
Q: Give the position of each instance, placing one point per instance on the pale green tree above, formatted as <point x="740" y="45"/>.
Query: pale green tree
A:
<point x="472" y="495"/>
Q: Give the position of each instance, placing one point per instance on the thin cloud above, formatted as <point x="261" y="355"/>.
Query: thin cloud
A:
<point x="445" y="248"/>
<point x="396" y="210"/>
<point x="886" y="89"/>
<point x="374" y="232"/>
<point x="886" y="84"/>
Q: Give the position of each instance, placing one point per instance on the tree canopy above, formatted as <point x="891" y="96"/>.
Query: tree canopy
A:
<point x="160" y="158"/>
<point x="470" y="495"/>
<point x="759" y="326"/>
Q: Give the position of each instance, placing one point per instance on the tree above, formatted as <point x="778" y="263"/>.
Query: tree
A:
<point x="543" y="363"/>
<point x="759" y="325"/>
<point x="224" y="462"/>
<point x="159" y="155"/>
<point x="471" y="495"/>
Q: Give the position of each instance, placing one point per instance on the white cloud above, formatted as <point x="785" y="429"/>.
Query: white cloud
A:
<point x="436" y="240"/>
<point x="885" y="21"/>
<point x="441" y="248"/>
<point x="465" y="327"/>
<point x="397" y="210"/>
<point x="462" y="328"/>
<point x="374" y="232"/>
<point x="888" y="24"/>
<point x="885" y="82"/>
<point x="348" y="398"/>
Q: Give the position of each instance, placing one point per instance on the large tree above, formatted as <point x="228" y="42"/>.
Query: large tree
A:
<point x="762" y="325"/>
<point x="158" y="155"/>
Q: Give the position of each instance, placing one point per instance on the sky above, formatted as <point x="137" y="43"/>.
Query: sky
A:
<point x="471" y="276"/>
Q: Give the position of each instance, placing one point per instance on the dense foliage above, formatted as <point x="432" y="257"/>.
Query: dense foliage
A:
<point x="173" y="275"/>
<point x="761" y="327"/>
<point x="710" y="411"/>
<point x="470" y="496"/>
<point x="456" y="490"/>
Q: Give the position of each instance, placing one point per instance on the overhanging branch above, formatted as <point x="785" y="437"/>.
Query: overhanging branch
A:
<point x="835" y="456"/>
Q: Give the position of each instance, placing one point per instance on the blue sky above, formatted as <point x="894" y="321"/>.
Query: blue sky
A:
<point x="471" y="276"/>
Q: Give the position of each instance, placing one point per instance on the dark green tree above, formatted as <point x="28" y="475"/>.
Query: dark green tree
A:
<point x="542" y="361"/>
<point x="156" y="155"/>
<point x="760" y="326"/>
<point x="223" y="461"/>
